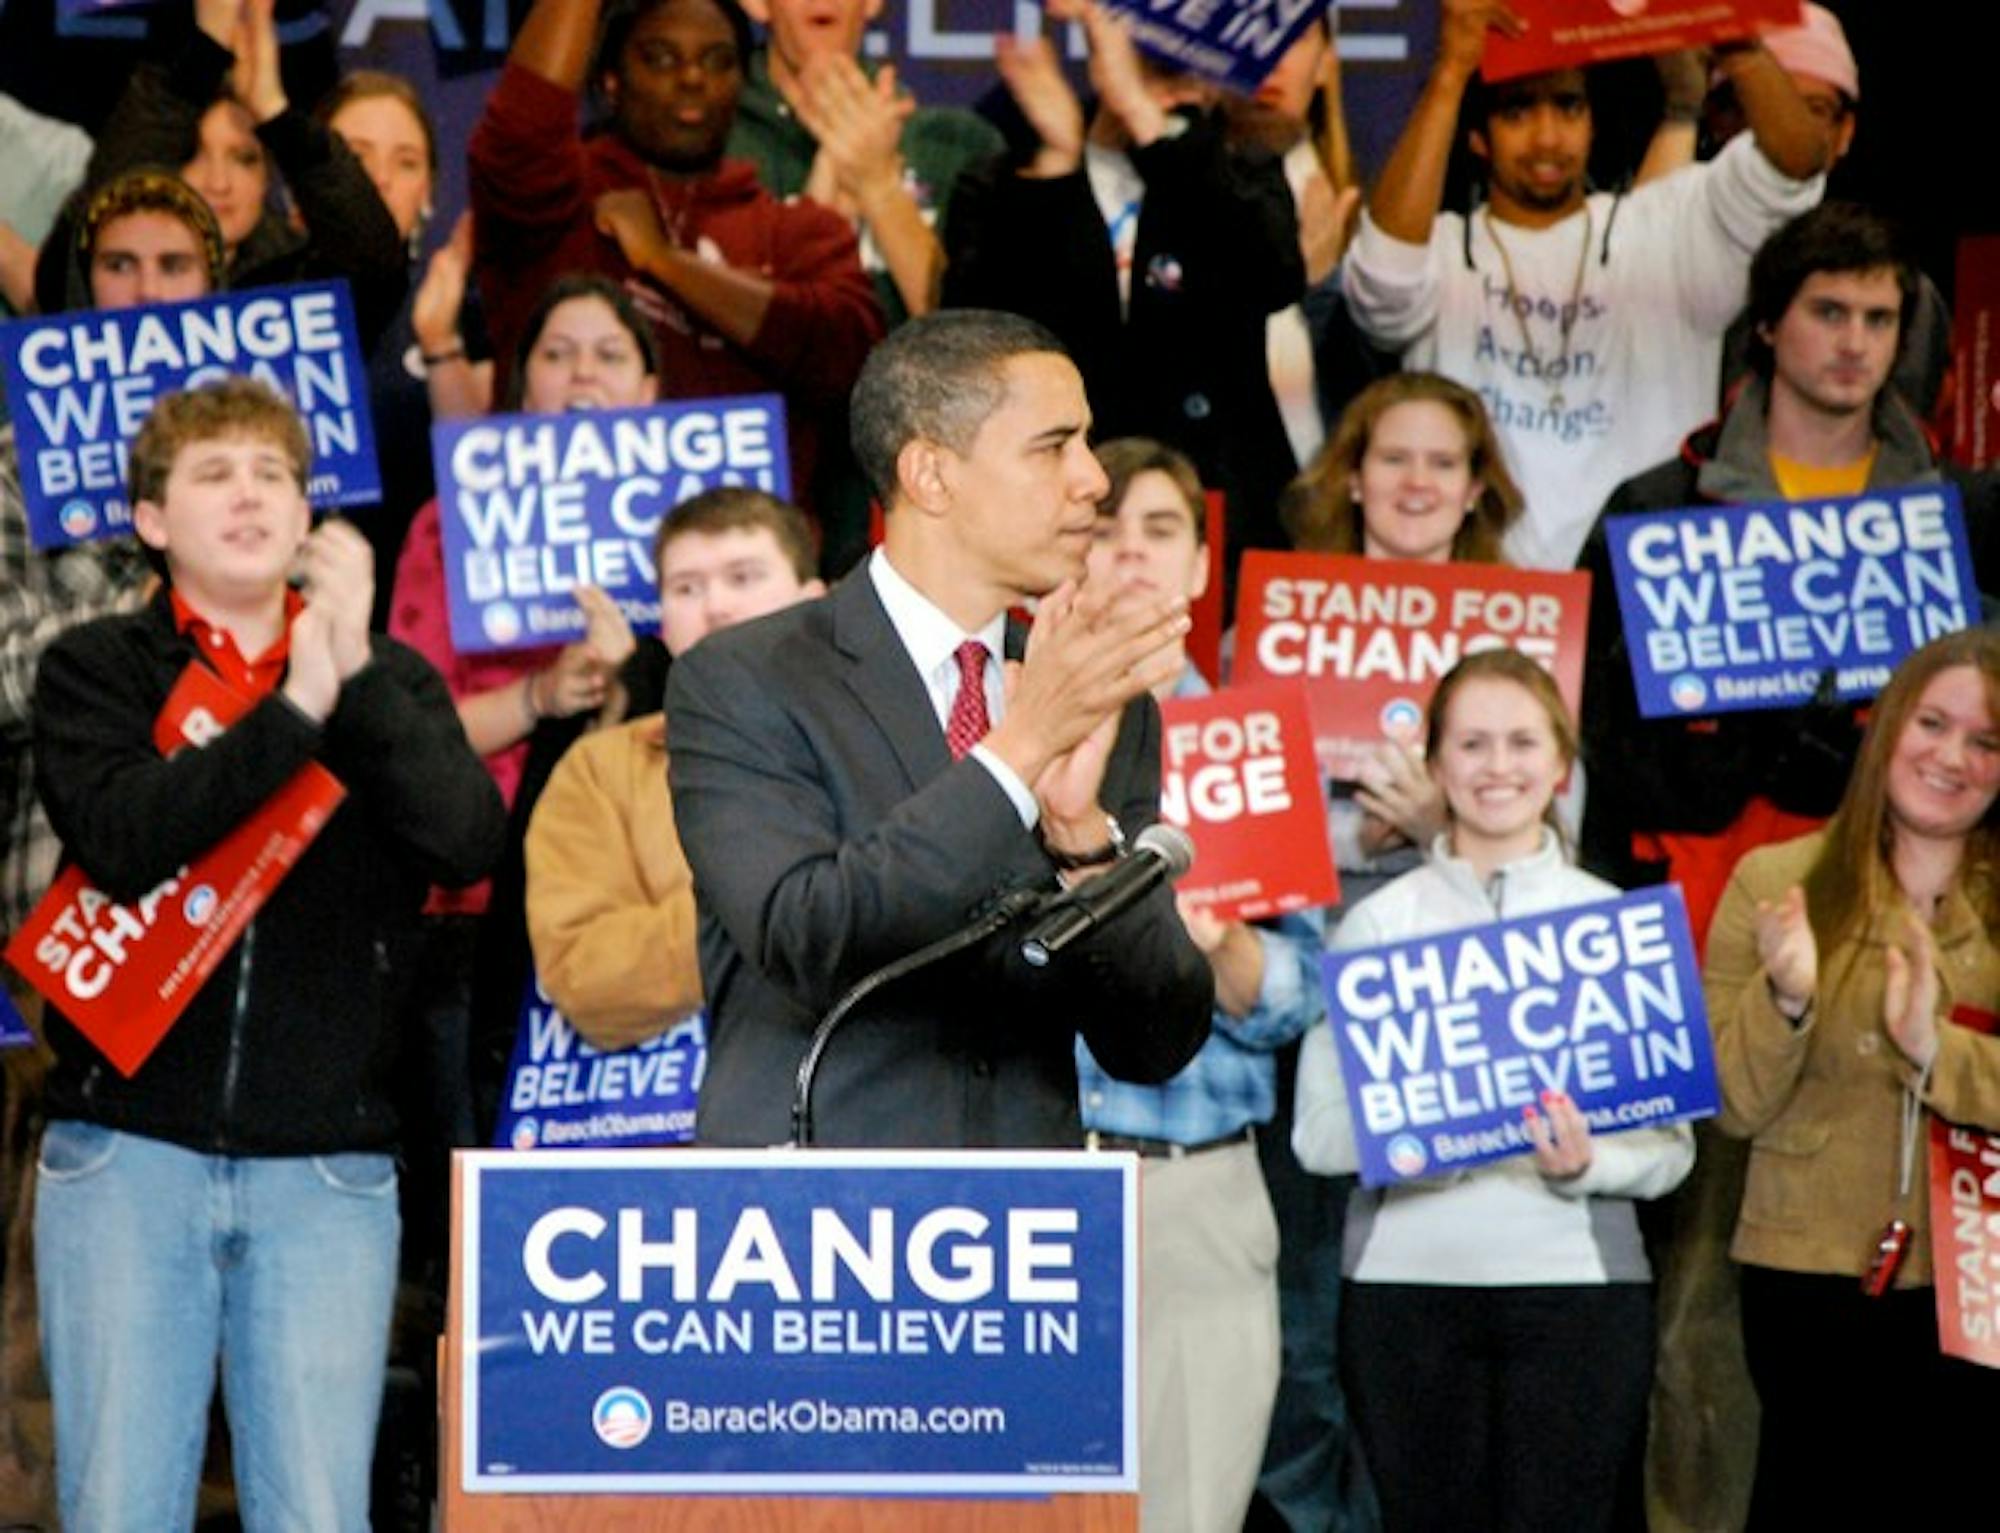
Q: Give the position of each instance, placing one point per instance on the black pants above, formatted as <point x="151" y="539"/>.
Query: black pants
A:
<point x="1865" y="1423"/>
<point x="1498" y="1408"/>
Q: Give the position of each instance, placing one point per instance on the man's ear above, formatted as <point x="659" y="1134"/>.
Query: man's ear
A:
<point x="149" y="520"/>
<point x="923" y="474"/>
<point x="1475" y="140"/>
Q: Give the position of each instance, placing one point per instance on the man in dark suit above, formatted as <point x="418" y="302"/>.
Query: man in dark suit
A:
<point x="843" y="801"/>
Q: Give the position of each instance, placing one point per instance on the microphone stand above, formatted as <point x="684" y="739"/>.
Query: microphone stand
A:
<point x="1004" y="913"/>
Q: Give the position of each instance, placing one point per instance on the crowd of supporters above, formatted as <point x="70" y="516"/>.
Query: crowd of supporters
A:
<point x="684" y="199"/>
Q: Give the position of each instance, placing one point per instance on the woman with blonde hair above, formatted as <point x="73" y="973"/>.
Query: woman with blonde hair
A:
<point x="1852" y="977"/>
<point x="1413" y="470"/>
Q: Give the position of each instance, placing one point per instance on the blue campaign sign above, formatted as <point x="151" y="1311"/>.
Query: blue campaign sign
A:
<point x="914" y="1322"/>
<point x="1444" y="1040"/>
<point x="1233" y="42"/>
<point x="561" y="1091"/>
<point x="533" y="506"/>
<point x="1730" y="608"/>
<point x="14" y="1033"/>
<point x="80" y="385"/>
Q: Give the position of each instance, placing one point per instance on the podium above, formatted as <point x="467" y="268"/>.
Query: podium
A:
<point x="792" y="1341"/>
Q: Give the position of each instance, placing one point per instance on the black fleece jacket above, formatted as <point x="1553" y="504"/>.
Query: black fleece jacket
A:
<point x="288" y="1047"/>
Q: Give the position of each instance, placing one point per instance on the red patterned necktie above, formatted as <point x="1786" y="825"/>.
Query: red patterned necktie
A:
<point x="968" y="723"/>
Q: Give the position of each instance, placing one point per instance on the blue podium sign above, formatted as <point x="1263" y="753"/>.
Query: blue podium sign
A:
<point x="753" y="1322"/>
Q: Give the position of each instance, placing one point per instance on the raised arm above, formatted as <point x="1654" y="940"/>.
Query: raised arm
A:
<point x="555" y="41"/>
<point x="525" y="159"/>
<point x="1792" y="139"/>
<point x="1683" y="87"/>
<point x="350" y="231"/>
<point x="1405" y="200"/>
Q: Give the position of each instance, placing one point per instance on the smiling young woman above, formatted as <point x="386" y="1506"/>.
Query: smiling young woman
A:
<point x="1840" y="968"/>
<point x="1469" y="1298"/>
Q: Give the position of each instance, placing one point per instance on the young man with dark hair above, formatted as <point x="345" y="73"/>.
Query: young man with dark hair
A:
<point x="846" y="796"/>
<point x="251" y="1154"/>
<point x="746" y="294"/>
<point x="1815" y="420"/>
<point x="610" y="898"/>
<point x="1683" y="800"/>
<point x="1590" y="324"/>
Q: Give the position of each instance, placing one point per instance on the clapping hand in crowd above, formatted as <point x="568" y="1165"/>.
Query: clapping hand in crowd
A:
<point x="859" y="126"/>
<point x="329" y="637"/>
<point x="582" y="677"/>
<point x="1401" y="802"/>
<point x="250" y="31"/>
<point x="1789" y="952"/>
<point x="1910" y="992"/>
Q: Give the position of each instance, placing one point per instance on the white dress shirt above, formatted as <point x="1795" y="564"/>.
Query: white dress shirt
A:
<point x="932" y="640"/>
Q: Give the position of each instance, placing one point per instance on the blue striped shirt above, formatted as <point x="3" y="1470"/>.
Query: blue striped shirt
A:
<point x="1232" y="1082"/>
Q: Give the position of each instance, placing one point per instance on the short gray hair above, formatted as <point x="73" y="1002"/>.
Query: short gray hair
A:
<point x="938" y="378"/>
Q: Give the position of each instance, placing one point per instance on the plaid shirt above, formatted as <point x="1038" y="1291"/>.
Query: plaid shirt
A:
<point x="43" y="593"/>
<point x="1232" y="1082"/>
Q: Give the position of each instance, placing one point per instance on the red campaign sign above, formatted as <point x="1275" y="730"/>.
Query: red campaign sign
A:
<point x="1565" y="34"/>
<point x="1371" y="638"/>
<point x="1237" y="774"/>
<point x="1965" y="1229"/>
<point x="1204" y="640"/>
<point x="122" y="974"/>
<point x="1974" y="423"/>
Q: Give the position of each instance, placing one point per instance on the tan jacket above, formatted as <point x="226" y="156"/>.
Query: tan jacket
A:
<point x="1821" y="1102"/>
<point x="610" y="897"/>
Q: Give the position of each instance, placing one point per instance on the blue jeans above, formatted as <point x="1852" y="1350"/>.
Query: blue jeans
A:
<point x="154" y="1261"/>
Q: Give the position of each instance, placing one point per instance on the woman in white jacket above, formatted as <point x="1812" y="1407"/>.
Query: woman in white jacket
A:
<point x="1496" y="1325"/>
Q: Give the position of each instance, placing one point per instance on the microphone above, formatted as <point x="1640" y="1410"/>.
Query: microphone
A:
<point x="1161" y="854"/>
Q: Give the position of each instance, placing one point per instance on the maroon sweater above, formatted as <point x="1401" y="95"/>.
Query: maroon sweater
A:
<point x="535" y="180"/>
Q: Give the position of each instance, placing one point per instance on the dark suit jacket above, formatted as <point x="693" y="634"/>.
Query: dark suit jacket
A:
<point x="830" y="833"/>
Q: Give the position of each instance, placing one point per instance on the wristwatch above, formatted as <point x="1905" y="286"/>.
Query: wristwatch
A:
<point x="1110" y="852"/>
